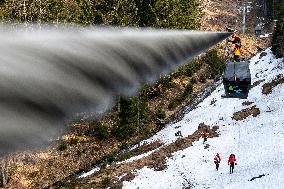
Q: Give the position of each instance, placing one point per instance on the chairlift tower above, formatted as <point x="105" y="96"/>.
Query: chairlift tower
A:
<point x="244" y="9"/>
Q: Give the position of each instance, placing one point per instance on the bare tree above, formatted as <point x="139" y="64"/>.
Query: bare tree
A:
<point x="244" y="16"/>
<point x="4" y="173"/>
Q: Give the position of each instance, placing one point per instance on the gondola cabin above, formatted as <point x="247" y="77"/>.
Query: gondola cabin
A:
<point x="237" y="79"/>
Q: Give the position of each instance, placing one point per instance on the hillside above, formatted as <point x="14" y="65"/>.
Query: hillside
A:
<point x="250" y="128"/>
<point x="217" y="15"/>
<point x="255" y="137"/>
<point x="164" y="145"/>
<point x="167" y="155"/>
<point x="82" y="148"/>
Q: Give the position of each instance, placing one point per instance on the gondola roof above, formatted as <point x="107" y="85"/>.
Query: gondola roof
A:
<point x="238" y="70"/>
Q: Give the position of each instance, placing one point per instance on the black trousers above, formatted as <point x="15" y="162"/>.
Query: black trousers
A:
<point x="232" y="165"/>
<point x="217" y="165"/>
<point x="237" y="58"/>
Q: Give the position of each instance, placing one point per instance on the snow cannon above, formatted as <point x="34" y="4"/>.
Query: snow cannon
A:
<point x="237" y="79"/>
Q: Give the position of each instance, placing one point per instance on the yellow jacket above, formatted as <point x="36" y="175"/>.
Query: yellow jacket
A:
<point x="237" y="51"/>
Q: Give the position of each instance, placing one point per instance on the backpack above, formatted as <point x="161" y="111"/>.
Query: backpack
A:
<point x="238" y="39"/>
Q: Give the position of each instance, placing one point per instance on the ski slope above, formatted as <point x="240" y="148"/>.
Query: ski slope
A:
<point x="257" y="142"/>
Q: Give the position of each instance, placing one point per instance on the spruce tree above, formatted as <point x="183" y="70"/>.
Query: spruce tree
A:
<point x="129" y="120"/>
<point x="278" y="35"/>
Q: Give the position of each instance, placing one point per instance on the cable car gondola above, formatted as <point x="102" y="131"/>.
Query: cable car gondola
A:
<point x="237" y="79"/>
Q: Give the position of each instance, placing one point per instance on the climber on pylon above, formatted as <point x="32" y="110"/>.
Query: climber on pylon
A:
<point x="235" y="39"/>
<point x="237" y="52"/>
<point x="236" y="43"/>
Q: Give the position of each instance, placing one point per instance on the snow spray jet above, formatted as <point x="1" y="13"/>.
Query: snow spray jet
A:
<point x="47" y="75"/>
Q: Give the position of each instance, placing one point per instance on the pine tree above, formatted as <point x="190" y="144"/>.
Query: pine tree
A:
<point x="132" y="117"/>
<point x="278" y="35"/>
<point x="145" y="13"/>
<point x="126" y="123"/>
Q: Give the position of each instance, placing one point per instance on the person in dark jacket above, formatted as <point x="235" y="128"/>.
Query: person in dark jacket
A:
<point x="217" y="160"/>
<point x="231" y="162"/>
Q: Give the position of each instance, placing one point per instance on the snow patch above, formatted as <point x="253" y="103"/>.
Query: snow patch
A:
<point x="138" y="157"/>
<point x="94" y="170"/>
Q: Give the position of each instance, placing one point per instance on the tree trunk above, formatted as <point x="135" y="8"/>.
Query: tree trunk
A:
<point x="3" y="174"/>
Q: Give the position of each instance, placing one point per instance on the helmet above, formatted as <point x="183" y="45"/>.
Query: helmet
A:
<point x="237" y="45"/>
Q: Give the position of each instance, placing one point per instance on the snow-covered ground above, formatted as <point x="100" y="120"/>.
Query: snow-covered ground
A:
<point x="92" y="171"/>
<point x="257" y="142"/>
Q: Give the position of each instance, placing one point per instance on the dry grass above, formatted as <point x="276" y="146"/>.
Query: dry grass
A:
<point x="217" y="15"/>
<point x="243" y="114"/>
<point x="157" y="160"/>
<point x="146" y="148"/>
<point x="256" y="83"/>
<point x="247" y="103"/>
<point x="267" y="87"/>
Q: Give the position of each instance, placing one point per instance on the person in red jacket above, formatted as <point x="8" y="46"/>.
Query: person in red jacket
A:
<point x="217" y="160"/>
<point x="231" y="162"/>
<point x="204" y="134"/>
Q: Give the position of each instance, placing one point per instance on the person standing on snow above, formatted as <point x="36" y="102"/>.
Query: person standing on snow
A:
<point x="231" y="162"/>
<point x="204" y="134"/>
<point x="217" y="160"/>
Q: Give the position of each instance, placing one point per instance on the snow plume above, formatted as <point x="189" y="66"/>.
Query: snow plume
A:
<point x="49" y="74"/>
